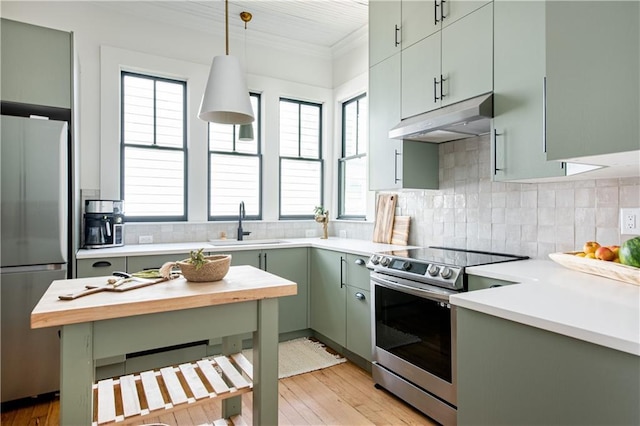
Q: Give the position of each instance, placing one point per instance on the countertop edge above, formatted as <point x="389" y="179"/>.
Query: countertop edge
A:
<point x="354" y="246"/>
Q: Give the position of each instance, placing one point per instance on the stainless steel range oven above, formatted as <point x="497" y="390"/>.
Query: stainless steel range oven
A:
<point x="414" y="326"/>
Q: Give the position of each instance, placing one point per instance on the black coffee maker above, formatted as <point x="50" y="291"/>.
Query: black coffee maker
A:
<point x="103" y="223"/>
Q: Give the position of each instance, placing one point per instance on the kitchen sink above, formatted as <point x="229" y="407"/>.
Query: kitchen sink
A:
<point x="222" y="243"/>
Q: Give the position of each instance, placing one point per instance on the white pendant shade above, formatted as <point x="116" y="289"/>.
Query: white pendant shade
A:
<point x="226" y="97"/>
<point x="246" y="132"/>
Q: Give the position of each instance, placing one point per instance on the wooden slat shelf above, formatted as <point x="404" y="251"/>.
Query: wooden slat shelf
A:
<point x="152" y="393"/>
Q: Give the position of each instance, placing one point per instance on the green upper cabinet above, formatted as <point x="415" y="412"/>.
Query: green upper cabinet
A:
<point x="419" y="61"/>
<point x="395" y="164"/>
<point x="36" y="65"/>
<point x="420" y="18"/>
<point x="452" y="64"/>
<point x="593" y="83"/>
<point x="385" y="17"/>
<point x="519" y="69"/>
<point x="384" y="113"/>
<point x="467" y="56"/>
<point x="556" y="94"/>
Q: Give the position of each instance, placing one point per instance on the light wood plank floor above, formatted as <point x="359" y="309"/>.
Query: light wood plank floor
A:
<point x="339" y="395"/>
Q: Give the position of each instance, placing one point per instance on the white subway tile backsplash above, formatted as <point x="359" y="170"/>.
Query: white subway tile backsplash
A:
<point x="546" y="198"/>
<point x="469" y="211"/>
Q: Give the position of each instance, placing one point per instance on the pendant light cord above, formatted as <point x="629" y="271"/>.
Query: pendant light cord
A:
<point x="226" y="25"/>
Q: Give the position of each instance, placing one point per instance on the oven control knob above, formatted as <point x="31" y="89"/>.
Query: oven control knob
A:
<point x="406" y="266"/>
<point x="375" y="260"/>
<point x="446" y="273"/>
<point x="385" y="261"/>
<point x="433" y="270"/>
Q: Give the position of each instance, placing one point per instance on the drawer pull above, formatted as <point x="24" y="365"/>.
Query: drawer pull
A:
<point x="101" y="264"/>
<point x="360" y="296"/>
<point x="359" y="261"/>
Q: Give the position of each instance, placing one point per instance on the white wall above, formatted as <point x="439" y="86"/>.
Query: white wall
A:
<point x="106" y="41"/>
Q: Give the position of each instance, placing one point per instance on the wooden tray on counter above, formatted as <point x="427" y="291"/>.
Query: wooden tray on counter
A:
<point x="612" y="270"/>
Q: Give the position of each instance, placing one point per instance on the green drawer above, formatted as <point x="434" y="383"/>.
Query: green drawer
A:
<point x="86" y="268"/>
<point x="357" y="272"/>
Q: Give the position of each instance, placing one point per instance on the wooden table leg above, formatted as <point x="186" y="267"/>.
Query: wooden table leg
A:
<point x="76" y="374"/>
<point x="265" y="364"/>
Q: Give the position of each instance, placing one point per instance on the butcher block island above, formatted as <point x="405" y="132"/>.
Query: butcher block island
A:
<point x="173" y="312"/>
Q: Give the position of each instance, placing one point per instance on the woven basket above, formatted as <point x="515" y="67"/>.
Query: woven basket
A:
<point x="214" y="270"/>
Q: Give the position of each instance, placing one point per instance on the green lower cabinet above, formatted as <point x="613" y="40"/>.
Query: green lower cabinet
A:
<point x="247" y="257"/>
<point x="289" y="263"/>
<point x="514" y="374"/>
<point x="359" y="321"/>
<point x="328" y="315"/>
<point x="340" y="307"/>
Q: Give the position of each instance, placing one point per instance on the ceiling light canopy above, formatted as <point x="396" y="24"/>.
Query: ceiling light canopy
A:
<point x="226" y="97"/>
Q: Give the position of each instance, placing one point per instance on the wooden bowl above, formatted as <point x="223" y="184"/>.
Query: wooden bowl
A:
<point x="214" y="270"/>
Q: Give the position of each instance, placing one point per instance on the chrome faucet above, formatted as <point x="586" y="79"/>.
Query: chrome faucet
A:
<point x="241" y="215"/>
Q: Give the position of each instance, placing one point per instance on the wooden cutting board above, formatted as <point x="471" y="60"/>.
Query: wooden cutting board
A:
<point x="385" y="212"/>
<point x="400" y="235"/>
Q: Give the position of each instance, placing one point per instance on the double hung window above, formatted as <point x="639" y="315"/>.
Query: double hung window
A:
<point x="301" y="164"/>
<point x="352" y="165"/>
<point x="235" y="169"/>
<point x="153" y="148"/>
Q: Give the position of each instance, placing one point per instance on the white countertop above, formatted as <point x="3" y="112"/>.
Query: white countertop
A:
<point x="551" y="297"/>
<point x="360" y="247"/>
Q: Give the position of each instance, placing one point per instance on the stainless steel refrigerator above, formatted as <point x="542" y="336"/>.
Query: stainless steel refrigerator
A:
<point x="34" y="249"/>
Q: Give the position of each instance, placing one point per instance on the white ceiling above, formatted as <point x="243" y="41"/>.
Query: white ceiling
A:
<point x="318" y="23"/>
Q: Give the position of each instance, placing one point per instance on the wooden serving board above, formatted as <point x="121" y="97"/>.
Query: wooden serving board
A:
<point x="385" y="212"/>
<point x="128" y="284"/>
<point x="400" y="235"/>
<point x="612" y="270"/>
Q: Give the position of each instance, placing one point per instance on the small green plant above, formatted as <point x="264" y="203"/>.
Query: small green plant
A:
<point x="197" y="258"/>
<point x="319" y="211"/>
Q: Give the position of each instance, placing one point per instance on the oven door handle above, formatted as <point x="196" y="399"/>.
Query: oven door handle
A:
<point x="420" y="292"/>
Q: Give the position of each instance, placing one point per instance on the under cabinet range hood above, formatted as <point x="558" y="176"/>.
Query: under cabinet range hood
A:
<point x="457" y="121"/>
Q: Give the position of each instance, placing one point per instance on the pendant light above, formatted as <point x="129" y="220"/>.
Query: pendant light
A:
<point x="246" y="130"/>
<point x="226" y="97"/>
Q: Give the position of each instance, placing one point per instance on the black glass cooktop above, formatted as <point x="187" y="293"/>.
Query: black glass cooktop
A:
<point x="453" y="256"/>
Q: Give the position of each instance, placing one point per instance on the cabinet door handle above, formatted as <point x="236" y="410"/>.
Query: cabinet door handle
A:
<point x="544" y="115"/>
<point x="342" y="262"/>
<point x="442" y="15"/>
<point x="442" y="80"/>
<point x="395" y="166"/>
<point x="435" y="92"/>
<point x="359" y="261"/>
<point x="259" y="260"/>
<point x="495" y="135"/>
<point x="101" y="264"/>
<point x="435" y="12"/>
<point x="265" y="261"/>
<point x="360" y="296"/>
<point x="397" y="41"/>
